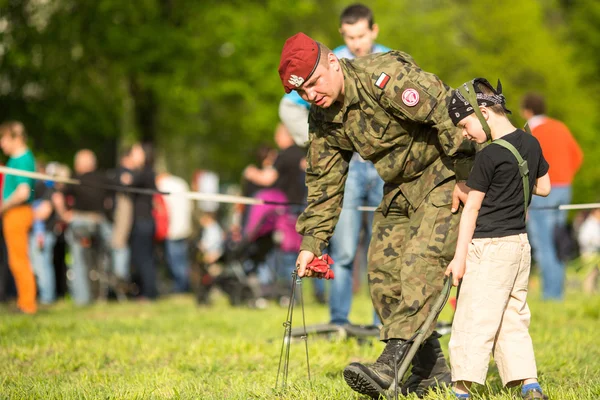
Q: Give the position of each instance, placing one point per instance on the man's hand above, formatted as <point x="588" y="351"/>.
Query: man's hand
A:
<point x="459" y="195"/>
<point x="457" y="268"/>
<point x="304" y="258"/>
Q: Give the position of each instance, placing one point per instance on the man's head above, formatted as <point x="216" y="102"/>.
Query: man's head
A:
<point x="13" y="137"/>
<point x="312" y="70"/>
<point x="141" y="155"/>
<point x="533" y="104"/>
<point x="358" y="29"/>
<point x="85" y="161"/>
<point x="125" y="159"/>
<point x="490" y="102"/>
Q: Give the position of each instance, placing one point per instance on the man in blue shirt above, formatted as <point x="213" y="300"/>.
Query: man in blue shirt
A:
<point x="364" y="187"/>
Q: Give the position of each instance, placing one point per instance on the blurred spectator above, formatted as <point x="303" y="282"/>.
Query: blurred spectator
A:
<point x="142" y="233"/>
<point x="265" y="157"/>
<point x="286" y="175"/>
<point x="123" y="220"/>
<point x="17" y="214"/>
<point x="206" y="182"/>
<point x="60" y="227"/>
<point x="87" y="222"/>
<point x="6" y="280"/>
<point x="180" y="227"/>
<point x="212" y="240"/>
<point x="43" y="238"/>
<point x="565" y="157"/>
<point x="589" y="245"/>
<point x="293" y="112"/>
<point x="209" y="244"/>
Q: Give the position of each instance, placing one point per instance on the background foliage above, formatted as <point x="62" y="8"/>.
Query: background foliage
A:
<point x="199" y="79"/>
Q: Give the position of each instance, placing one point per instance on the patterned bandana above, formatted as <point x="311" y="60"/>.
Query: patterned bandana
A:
<point x="460" y="107"/>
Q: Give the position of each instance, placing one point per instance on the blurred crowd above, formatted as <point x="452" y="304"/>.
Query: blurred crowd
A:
<point x="114" y="236"/>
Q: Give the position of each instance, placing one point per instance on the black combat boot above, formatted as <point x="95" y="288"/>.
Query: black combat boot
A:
<point x="373" y="380"/>
<point x="429" y="369"/>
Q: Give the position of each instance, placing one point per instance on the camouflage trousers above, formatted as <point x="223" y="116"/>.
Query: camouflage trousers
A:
<point x="408" y="255"/>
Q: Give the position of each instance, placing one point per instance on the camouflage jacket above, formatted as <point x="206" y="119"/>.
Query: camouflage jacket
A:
<point x="393" y="114"/>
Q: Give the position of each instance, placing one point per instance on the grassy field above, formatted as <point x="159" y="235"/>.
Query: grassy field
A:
<point x="174" y="349"/>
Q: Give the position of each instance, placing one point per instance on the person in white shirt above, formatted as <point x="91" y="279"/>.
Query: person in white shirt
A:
<point x="180" y="227"/>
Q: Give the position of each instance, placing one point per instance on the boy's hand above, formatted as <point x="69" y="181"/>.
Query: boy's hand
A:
<point x="457" y="268"/>
<point x="459" y="195"/>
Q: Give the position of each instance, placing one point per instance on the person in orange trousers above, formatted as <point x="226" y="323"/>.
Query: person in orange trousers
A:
<point x="17" y="213"/>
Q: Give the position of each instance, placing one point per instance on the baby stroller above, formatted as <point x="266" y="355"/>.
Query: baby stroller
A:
<point x="268" y="228"/>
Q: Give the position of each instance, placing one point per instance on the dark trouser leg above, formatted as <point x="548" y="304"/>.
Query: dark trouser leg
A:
<point x="142" y="256"/>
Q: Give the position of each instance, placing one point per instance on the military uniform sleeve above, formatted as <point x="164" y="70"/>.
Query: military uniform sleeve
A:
<point x="415" y="95"/>
<point x="327" y="169"/>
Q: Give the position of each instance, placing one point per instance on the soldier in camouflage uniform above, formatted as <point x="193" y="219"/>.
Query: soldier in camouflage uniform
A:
<point x="392" y="113"/>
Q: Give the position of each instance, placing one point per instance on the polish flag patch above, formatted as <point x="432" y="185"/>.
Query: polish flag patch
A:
<point x="382" y="80"/>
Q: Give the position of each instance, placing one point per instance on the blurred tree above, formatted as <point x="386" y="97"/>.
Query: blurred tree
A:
<point x="199" y="79"/>
<point x="522" y="42"/>
<point x="583" y="33"/>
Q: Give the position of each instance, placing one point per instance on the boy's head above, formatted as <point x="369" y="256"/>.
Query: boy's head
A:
<point x="491" y="105"/>
<point x="12" y="137"/>
<point x="207" y="218"/>
<point x="358" y="29"/>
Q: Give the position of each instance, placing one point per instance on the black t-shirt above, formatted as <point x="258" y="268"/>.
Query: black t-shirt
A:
<point x="496" y="173"/>
<point x="291" y="175"/>
<point x="144" y="178"/>
<point x="90" y="196"/>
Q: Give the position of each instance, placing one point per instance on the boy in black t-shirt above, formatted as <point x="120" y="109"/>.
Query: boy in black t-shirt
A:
<point x="493" y="255"/>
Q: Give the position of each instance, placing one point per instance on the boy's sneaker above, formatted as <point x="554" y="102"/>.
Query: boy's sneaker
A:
<point x="534" y="394"/>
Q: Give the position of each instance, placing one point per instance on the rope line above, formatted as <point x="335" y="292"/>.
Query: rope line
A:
<point x="217" y="197"/>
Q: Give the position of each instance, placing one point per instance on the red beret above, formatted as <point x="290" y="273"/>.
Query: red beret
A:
<point x="299" y="59"/>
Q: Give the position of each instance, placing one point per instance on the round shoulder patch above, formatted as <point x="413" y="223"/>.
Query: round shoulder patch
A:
<point x="410" y="97"/>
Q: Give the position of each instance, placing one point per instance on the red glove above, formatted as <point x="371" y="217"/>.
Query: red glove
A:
<point x="320" y="267"/>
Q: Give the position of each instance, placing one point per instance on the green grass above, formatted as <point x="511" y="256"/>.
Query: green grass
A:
<point x="174" y="349"/>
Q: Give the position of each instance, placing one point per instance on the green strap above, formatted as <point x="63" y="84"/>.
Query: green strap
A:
<point x="523" y="168"/>
<point x="471" y="97"/>
<point x="526" y="128"/>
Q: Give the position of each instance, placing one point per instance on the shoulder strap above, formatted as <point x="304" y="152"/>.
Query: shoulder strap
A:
<point x="469" y="94"/>
<point x="523" y="168"/>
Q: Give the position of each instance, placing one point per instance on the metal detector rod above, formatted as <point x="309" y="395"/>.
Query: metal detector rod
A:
<point x="305" y="337"/>
<point x="420" y="334"/>
<point x="284" y="356"/>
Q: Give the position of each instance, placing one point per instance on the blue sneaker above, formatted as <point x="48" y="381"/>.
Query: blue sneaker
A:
<point x="533" y="394"/>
